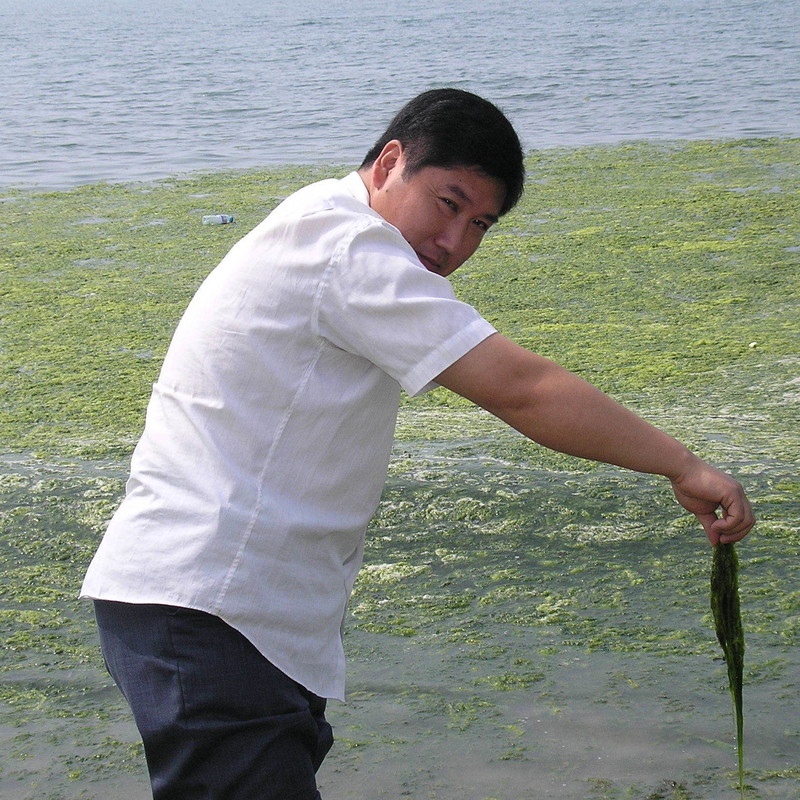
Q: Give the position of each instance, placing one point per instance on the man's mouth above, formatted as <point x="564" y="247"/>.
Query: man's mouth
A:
<point x="430" y="265"/>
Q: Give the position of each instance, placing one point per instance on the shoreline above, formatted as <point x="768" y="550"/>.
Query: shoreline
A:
<point x="191" y="174"/>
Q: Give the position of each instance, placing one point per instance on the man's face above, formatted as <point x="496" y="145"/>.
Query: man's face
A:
<point x="442" y="213"/>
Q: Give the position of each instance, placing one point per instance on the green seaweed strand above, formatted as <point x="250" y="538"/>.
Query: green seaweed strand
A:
<point x="728" y="623"/>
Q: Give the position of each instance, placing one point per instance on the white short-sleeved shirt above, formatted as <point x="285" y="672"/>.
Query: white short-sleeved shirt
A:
<point x="269" y="429"/>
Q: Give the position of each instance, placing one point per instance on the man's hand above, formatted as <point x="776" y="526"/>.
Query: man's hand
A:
<point x="703" y="489"/>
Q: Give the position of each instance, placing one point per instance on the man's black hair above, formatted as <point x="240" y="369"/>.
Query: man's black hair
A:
<point x="453" y="128"/>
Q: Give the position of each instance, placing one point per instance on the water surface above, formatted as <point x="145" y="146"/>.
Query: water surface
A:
<point x="117" y="90"/>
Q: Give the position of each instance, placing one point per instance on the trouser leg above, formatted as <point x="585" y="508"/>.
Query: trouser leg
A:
<point x="217" y="719"/>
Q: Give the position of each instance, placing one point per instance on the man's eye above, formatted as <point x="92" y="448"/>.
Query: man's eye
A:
<point x="482" y="225"/>
<point x="450" y="203"/>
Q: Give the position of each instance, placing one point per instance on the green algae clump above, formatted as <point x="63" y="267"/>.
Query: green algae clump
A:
<point x="728" y="623"/>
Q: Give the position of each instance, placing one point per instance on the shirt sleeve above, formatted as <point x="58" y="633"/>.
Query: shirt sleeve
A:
<point x="379" y="302"/>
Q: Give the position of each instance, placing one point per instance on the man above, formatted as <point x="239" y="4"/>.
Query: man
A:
<point x="221" y="584"/>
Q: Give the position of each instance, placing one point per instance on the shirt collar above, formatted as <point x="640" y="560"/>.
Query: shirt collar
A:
<point x="356" y="187"/>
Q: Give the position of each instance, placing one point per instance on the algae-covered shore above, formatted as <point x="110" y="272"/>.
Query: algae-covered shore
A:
<point x="526" y="625"/>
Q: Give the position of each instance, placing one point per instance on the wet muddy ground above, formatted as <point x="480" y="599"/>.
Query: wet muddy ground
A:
<point x="526" y="625"/>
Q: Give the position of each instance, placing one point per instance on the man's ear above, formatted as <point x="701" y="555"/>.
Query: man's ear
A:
<point x="389" y="160"/>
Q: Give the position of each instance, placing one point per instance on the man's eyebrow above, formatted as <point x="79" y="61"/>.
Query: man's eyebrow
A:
<point x="465" y="198"/>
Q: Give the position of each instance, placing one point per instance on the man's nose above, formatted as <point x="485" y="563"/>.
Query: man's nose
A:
<point x="451" y="237"/>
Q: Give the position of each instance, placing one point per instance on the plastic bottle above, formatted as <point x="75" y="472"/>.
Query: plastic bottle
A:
<point x="217" y="219"/>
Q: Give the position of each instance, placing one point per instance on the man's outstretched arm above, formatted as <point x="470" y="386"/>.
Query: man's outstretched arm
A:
<point x="559" y="410"/>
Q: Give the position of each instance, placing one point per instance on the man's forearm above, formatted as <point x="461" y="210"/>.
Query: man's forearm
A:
<point x="559" y="410"/>
<point x="565" y="413"/>
<point x="556" y="408"/>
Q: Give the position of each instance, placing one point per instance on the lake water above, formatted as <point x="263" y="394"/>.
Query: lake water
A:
<point x="116" y="90"/>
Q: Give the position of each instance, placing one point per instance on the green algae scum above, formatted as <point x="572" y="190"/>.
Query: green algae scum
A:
<point x="526" y="625"/>
<point x="728" y="625"/>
